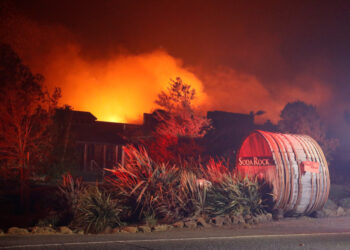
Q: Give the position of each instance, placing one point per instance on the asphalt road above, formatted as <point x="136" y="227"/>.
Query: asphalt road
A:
<point x="304" y="233"/>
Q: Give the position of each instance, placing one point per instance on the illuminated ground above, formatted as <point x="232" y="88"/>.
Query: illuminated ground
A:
<point x="302" y="233"/>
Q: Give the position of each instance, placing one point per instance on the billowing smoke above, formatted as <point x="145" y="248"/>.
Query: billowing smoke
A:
<point x="232" y="91"/>
<point x="119" y="89"/>
<point x="121" y="86"/>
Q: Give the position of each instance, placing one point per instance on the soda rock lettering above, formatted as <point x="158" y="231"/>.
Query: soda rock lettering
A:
<point x="255" y="161"/>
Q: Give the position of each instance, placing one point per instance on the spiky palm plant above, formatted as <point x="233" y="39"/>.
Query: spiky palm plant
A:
<point x="235" y="196"/>
<point x="250" y="196"/>
<point x="169" y="193"/>
<point x="223" y="197"/>
<point x="165" y="192"/>
<point x="71" y="189"/>
<point x="190" y="197"/>
<point x="215" y="171"/>
<point x="151" y="185"/>
<point x="96" y="211"/>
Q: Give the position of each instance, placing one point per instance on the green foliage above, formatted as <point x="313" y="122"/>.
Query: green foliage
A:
<point x="193" y="194"/>
<point x="160" y="190"/>
<point x="89" y="208"/>
<point x="229" y="193"/>
<point x="167" y="193"/>
<point x="223" y="197"/>
<point x="234" y="196"/>
<point x="150" y="185"/>
<point x="96" y="211"/>
<point x="250" y="197"/>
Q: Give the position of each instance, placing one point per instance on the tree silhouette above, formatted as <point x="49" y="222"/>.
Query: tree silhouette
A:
<point x="26" y="109"/>
<point x="180" y="118"/>
<point x="301" y="118"/>
<point x="180" y="125"/>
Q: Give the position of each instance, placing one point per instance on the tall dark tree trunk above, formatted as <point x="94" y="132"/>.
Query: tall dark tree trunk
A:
<point x="22" y="184"/>
<point x="24" y="187"/>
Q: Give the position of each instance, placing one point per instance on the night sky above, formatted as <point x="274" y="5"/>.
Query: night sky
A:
<point x="245" y="55"/>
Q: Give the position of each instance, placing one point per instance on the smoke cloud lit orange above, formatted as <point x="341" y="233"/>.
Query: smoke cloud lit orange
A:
<point x="120" y="89"/>
<point x="117" y="88"/>
<point x="232" y="91"/>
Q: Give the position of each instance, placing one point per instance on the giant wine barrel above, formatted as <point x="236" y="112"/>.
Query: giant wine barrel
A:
<point x="294" y="166"/>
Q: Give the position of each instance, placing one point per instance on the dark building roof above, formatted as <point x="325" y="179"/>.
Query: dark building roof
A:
<point x="223" y="119"/>
<point x="97" y="134"/>
<point x="84" y="127"/>
<point x="229" y="130"/>
<point x="75" y="117"/>
<point x="151" y="120"/>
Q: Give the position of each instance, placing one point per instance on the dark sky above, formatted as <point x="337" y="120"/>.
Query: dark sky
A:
<point x="271" y="39"/>
<point x="298" y="48"/>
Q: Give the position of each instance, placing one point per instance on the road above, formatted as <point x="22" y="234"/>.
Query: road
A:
<point x="302" y="233"/>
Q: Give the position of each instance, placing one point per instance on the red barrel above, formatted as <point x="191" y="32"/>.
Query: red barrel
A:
<point x="293" y="165"/>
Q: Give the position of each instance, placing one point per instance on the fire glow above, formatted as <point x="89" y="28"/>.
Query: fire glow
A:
<point x="120" y="86"/>
<point x="120" y="89"/>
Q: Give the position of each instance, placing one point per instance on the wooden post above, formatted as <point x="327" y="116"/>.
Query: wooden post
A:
<point x="123" y="157"/>
<point x="85" y="156"/>
<point x="104" y="155"/>
<point x="116" y="155"/>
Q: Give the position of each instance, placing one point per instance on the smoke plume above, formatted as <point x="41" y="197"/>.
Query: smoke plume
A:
<point x="120" y="86"/>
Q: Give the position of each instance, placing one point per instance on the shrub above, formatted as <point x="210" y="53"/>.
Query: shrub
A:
<point x="70" y="190"/>
<point x="185" y="199"/>
<point x="50" y="220"/>
<point x="169" y="192"/>
<point x="193" y="194"/>
<point x="233" y="195"/>
<point x="250" y="197"/>
<point x="161" y="191"/>
<point x="179" y="124"/>
<point x="223" y="197"/>
<point x="144" y="181"/>
<point x="96" y="210"/>
<point x="215" y="171"/>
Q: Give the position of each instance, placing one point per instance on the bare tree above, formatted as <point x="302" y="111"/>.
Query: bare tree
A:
<point x="26" y="109"/>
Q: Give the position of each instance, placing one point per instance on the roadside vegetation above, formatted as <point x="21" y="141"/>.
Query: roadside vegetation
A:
<point x="146" y="192"/>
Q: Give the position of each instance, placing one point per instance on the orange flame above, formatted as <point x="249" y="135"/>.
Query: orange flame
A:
<point x="120" y="89"/>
